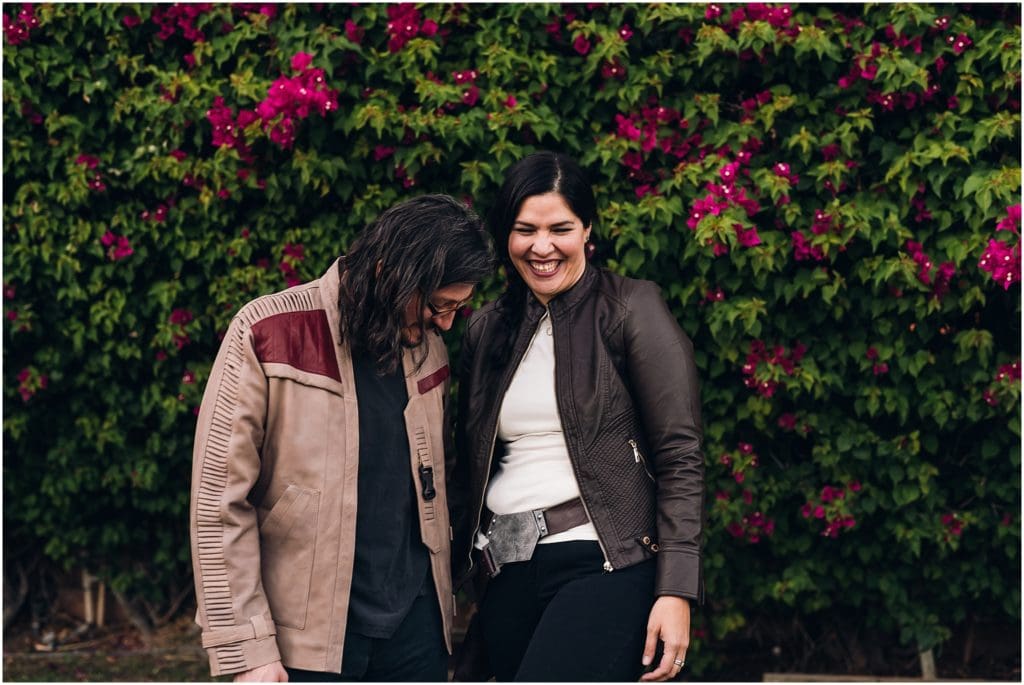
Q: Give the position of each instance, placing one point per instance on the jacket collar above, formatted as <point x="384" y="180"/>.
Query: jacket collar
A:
<point x="330" y="283"/>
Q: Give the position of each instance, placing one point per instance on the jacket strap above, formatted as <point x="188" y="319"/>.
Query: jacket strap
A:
<point x="257" y="628"/>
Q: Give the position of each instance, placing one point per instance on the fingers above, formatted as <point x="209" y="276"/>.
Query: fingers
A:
<point x="650" y="646"/>
<point x="668" y="667"/>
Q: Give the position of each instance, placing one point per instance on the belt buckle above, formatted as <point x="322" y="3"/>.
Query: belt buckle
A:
<point x="513" y="537"/>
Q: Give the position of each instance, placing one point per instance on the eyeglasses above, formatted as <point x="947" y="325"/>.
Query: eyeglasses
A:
<point x="445" y="311"/>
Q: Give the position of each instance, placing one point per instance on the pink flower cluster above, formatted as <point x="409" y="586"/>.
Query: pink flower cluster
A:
<point x="779" y="358"/>
<point x="939" y="278"/>
<point x="751" y="527"/>
<point x="405" y="23"/>
<point x="117" y="246"/>
<point x="722" y="196"/>
<point x="182" y="16"/>
<point x="179" y="319"/>
<point x="30" y="382"/>
<point x="832" y="507"/>
<point x="468" y="77"/>
<point x="739" y="460"/>
<point x="31" y="113"/>
<point x="654" y="127"/>
<point x="158" y="215"/>
<point x="613" y="68"/>
<point x="293" y="254"/>
<point x="17" y="28"/>
<point x="714" y="295"/>
<point x="1006" y="384"/>
<point x="788" y="422"/>
<point x="879" y="368"/>
<point x="290" y="98"/>
<point x="803" y="250"/>
<point x="1001" y="259"/>
<point x="227" y="130"/>
<point x="90" y="162"/>
<point x="953" y="525"/>
<point x="778" y="16"/>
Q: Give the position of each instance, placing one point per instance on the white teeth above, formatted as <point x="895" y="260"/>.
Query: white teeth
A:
<point x="544" y="267"/>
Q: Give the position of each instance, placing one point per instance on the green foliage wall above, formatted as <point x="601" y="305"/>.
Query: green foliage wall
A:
<point x="828" y="196"/>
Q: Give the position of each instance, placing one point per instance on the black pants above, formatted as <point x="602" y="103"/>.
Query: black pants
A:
<point x="415" y="653"/>
<point x="560" y="617"/>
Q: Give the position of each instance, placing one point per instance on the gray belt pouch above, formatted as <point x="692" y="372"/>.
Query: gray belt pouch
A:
<point x="513" y="537"/>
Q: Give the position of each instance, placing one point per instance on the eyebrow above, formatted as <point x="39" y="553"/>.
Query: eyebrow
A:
<point x="567" y="222"/>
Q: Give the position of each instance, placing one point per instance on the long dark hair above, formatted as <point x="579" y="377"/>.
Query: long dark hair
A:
<point x="536" y="174"/>
<point x="411" y="249"/>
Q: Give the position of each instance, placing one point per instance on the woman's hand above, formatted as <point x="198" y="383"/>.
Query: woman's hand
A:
<point x="269" y="673"/>
<point x="669" y="622"/>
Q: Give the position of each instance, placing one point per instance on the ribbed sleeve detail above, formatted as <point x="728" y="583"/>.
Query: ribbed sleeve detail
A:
<point x="213" y="570"/>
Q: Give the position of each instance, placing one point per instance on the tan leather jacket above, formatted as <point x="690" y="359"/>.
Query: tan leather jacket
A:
<point x="273" y="511"/>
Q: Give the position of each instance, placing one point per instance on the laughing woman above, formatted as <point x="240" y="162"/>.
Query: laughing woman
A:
<point x="580" y="444"/>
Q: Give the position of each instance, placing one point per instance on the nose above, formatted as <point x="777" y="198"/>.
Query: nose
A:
<point x="542" y="244"/>
<point x="443" y="321"/>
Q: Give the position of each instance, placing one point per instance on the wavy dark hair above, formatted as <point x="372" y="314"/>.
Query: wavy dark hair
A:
<point x="411" y="249"/>
<point x="536" y="174"/>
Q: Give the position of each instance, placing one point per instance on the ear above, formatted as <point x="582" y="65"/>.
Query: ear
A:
<point x="586" y="233"/>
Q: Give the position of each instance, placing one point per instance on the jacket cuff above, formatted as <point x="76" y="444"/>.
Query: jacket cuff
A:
<point x="679" y="575"/>
<point x="242" y="648"/>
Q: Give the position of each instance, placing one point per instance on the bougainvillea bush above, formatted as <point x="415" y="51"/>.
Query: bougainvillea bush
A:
<point x="829" y="196"/>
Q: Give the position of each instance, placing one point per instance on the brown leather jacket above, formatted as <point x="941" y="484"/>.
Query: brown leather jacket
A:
<point x="273" y="512"/>
<point x="627" y="394"/>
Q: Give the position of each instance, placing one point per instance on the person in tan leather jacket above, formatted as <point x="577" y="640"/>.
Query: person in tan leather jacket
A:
<point x="580" y="449"/>
<point x="319" y="520"/>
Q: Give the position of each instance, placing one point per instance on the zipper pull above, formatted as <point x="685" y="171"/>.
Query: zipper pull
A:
<point x="636" y="451"/>
<point x="608" y="567"/>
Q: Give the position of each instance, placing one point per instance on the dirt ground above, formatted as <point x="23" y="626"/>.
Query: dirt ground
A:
<point x="65" y="653"/>
<point x="106" y="655"/>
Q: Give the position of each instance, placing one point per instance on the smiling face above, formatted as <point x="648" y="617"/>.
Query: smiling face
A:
<point x="547" y="245"/>
<point x="446" y="301"/>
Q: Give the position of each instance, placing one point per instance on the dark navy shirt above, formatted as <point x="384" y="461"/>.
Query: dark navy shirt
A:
<point x="391" y="561"/>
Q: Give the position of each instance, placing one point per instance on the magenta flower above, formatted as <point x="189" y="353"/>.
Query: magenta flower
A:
<point x="713" y="11"/>
<point x="181" y="316"/>
<point x="787" y="421"/>
<point x="748" y="237"/>
<point x="1012" y="220"/>
<point x="301" y="60"/>
<point x="880" y="369"/>
<point x="130" y="21"/>
<point x="382" y="152"/>
<point x="511" y="102"/>
<point x="626" y="128"/>
<point x="429" y="28"/>
<point x="961" y="43"/>
<point x="354" y="32"/>
<point x="471" y="96"/>
<point x="625" y="32"/>
<point x="89" y="161"/>
<point x="1001" y="261"/>
<point x="613" y="69"/>
<point x="581" y="44"/>
<point x="781" y="169"/>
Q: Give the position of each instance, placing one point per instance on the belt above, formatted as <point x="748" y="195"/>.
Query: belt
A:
<point x="512" y="537"/>
<point x="554" y="520"/>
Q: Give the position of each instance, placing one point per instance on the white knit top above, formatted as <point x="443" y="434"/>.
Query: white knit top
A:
<point x="534" y="471"/>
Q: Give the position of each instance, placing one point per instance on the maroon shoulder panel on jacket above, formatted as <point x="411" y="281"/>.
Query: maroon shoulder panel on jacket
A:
<point x="433" y="380"/>
<point x="299" y="339"/>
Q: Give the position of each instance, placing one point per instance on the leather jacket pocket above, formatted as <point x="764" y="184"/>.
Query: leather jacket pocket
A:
<point x="287" y="543"/>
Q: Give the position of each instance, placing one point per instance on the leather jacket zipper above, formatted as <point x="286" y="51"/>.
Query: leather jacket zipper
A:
<point x="607" y="566"/>
<point x="639" y="458"/>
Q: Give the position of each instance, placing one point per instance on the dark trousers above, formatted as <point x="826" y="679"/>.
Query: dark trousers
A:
<point x="560" y="617"/>
<point x="415" y="653"/>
